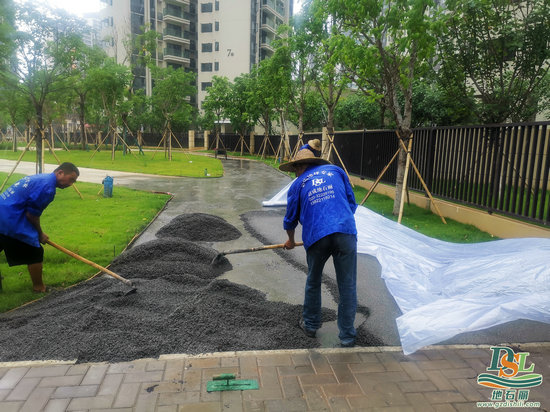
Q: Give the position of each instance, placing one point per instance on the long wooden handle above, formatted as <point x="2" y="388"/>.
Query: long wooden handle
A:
<point x="255" y="249"/>
<point x="89" y="262"/>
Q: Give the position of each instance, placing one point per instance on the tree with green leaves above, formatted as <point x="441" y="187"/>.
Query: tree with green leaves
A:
<point x="499" y="52"/>
<point x="385" y="45"/>
<point x="357" y="111"/>
<point x="238" y="110"/>
<point x="170" y="99"/>
<point x="216" y="103"/>
<point x="38" y="74"/>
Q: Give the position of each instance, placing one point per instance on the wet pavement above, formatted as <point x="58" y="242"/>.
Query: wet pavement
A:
<point x="441" y="378"/>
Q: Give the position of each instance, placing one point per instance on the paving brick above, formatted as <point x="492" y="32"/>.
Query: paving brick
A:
<point x="37" y="400"/>
<point x="434" y="364"/>
<point x="413" y="371"/>
<point x="200" y="407"/>
<point x="173" y="370"/>
<point x="172" y="398"/>
<point x="285" y="405"/>
<point x="143" y="377"/>
<point x="253" y="406"/>
<point x="160" y="387"/>
<point x="112" y="410"/>
<point x="127" y="395"/>
<point x="483" y="354"/>
<point x="146" y="402"/>
<point x="274" y="360"/>
<point x="433" y="354"/>
<point x="75" y="391"/>
<point x="87" y="403"/>
<point x="232" y="401"/>
<point x="10" y="406"/>
<point x="444" y="397"/>
<point x="300" y="359"/>
<point x="79" y="369"/>
<point x="3" y="371"/>
<point x="467" y="373"/>
<point x="167" y="408"/>
<point x="339" y="405"/>
<point x="391" y="394"/>
<point x="110" y="385"/>
<point x="320" y="363"/>
<point x="264" y="393"/>
<point x="417" y="386"/>
<point x="439" y="380"/>
<point x="54" y="381"/>
<point x="419" y="402"/>
<point x="268" y="376"/>
<point x="248" y="366"/>
<point x="317" y="379"/>
<point x="343" y="357"/>
<point x="204" y="363"/>
<point x="343" y="373"/>
<point x="369" y="380"/>
<point x="445" y="407"/>
<point x="23" y="389"/>
<point x="468" y="389"/>
<point x="155" y="365"/>
<point x="228" y="362"/>
<point x="3" y="394"/>
<point x="366" y="367"/>
<point x="295" y="370"/>
<point x="389" y="362"/>
<point x="315" y="398"/>
<point x="468" y="407"/>
<point x="95" y="375"/>
<point x="12" y="377"/>
<point x="478" y="365"/>
<point x="43" y="371"/>
<point x="192" y="379"/>
<point x="57" y="405"/>
<point x="342" y="389"/>
<point x="367" y="357"/>
<point x="452" y="356"/>
<point x="122" y="367"/>
<point x="291" y="387"/>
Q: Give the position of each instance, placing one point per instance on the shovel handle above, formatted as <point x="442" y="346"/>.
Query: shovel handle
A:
<point x="89" y="262"/>
<point x="255" y="249"/>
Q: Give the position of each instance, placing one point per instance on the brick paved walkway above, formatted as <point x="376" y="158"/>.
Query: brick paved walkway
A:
<point x="440" y="378"/>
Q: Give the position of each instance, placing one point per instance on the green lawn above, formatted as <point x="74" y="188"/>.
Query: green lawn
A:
<point x="182" y="163"/>
<point x="95" y="227"/>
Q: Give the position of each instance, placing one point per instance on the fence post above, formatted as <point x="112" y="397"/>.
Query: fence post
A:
<point x="191" y="139"/>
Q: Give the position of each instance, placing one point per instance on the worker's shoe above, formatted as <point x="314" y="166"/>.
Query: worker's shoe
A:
<point x="345" y="345"/>
<point x="309" y="332"/>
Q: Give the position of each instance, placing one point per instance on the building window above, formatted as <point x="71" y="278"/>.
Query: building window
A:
<point x="206" y="27"/>
<point x="206" y="67"/>
<point x="205" y="85"/>
<point x="206" y="47"/>
<point x="206" y="7"/>
<point x="216" y="66"/>
<point x="217" y="26"/>
<point x="217" y="3"/>
<point x="217" y="46"/>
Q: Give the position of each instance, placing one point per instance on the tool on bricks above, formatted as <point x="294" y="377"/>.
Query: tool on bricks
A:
<point x="219" y="256"/>
<point x="95" y="265"/>
<point x="227" y="382"/>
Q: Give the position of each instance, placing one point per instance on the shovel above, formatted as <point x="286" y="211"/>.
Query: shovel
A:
<point x="218" y="258"/>
<point x="95" y="265"/>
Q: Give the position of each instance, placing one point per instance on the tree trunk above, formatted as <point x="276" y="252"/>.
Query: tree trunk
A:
<point x="39" y="140"/>
<point x="82" y="123"/>
<point x="401" y="161"/>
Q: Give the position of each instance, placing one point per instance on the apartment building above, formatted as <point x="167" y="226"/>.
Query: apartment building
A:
<point x="208" y="37"/>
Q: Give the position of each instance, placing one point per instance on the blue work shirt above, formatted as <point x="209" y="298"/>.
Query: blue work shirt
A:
<point x="31" y="194"/>
<point x="322" y="200"/>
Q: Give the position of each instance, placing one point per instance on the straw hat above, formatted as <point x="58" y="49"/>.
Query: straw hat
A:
<point x="303" y="156"/>
<point x="315" y="144"/>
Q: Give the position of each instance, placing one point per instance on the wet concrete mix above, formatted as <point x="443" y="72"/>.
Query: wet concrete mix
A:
<point x="181" y="306"/>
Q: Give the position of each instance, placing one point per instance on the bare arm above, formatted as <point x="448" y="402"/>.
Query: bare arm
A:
<point x="35" y="221"/>
<point x="290" y="243"/>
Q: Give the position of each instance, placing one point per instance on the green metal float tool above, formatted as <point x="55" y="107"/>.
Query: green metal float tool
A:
<point x="227" y="382"/>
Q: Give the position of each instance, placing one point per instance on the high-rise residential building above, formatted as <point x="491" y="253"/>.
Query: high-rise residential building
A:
<point x="208" y="37"/>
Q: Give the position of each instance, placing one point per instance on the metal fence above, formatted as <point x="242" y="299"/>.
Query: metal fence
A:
<point x="499" y="168"/>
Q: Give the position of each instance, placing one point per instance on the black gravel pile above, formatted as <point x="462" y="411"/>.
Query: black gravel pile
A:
<point x="199" y="227"/>
<point x="180" y="307"/>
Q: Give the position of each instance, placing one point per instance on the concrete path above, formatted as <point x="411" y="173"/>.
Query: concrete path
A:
<point x="440" y="378"/>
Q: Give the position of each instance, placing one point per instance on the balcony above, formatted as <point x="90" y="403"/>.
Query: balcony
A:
<point x="178" y="2"/>
<point x="174" y="16"/>
<point x="176" y="56"/>
<point x="269" y="25"/>
<point x="266" y="44"/>
<point x="173" y="36"/>
<point x="273" y="7"/>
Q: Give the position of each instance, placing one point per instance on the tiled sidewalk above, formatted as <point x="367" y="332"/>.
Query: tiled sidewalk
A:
<point x="440" y="378"/>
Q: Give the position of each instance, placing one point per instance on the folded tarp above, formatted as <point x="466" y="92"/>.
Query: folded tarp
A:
<point x="444" y="288"/>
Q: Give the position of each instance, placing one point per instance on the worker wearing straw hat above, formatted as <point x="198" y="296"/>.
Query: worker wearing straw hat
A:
<point x="322" y="200"/>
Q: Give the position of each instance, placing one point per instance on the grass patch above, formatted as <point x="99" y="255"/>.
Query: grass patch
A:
<point x="182" y="163"/>
<point x="423" y="220"/>
<point x="96" y="228"/>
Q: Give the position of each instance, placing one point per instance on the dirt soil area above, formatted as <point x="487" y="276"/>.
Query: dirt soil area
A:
<point x="181" y="306"/>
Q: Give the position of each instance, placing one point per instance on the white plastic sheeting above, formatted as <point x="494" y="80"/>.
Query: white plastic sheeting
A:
<point x="444" y="289"/>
